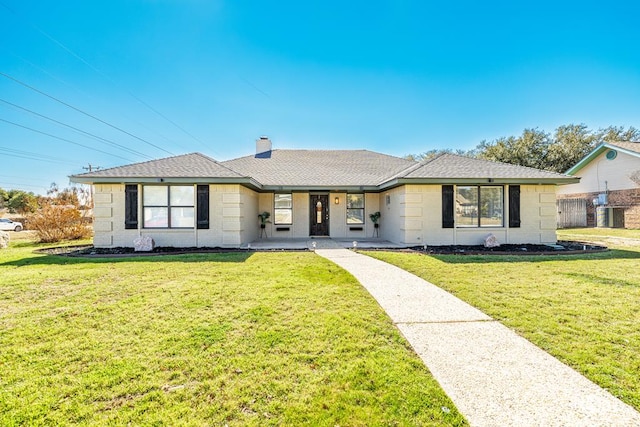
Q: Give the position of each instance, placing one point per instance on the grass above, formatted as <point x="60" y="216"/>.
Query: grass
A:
<point x="598" y="234"/>
<point x="583" y="309"/>
<point x="210" y="339"/>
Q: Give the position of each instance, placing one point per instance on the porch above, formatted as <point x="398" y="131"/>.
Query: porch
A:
<point x="320" y="243"/>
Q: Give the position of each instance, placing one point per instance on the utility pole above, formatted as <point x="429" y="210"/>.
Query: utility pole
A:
<point x="91" y="168"/>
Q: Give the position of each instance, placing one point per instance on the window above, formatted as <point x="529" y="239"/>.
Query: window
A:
<point x="168" y="206"/>
<point x="355" y="208"/>
<point x="283" y="212"/>
<point x="479" y="206"/>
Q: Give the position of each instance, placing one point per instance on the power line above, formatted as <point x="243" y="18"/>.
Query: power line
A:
<point x="20" y="177"/>
<point x="63" y="139"/>
<point x="32" y="156"/>
<point x="107" y="141"/>
<point x="23" y="185"/>
<point x="81" y="59"/>
<point x="83" y="112"/>
<point x="84" y="93"/>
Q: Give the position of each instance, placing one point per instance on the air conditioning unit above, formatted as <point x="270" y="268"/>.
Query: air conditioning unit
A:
<point x="603" y="199"/>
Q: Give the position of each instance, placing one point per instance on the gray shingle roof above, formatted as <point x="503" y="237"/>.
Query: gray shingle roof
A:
<point x="320" y="167"/>
<point x="317" y="169"/>
<point x="194" y="165"/>
<point x="454" y="166"/>
<point x="630" y="146"/>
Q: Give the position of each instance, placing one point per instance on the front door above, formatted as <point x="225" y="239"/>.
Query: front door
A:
<point x="319" y="215"/>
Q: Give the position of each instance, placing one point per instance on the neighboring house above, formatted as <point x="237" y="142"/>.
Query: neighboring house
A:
<point x="609" y="185"/>
<point x="193" y="200"/>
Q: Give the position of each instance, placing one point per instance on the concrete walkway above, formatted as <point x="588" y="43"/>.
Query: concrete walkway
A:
<point x="494" y="376"/>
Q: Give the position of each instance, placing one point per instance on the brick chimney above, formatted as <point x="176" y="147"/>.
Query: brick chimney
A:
<point x="263" y="147"/>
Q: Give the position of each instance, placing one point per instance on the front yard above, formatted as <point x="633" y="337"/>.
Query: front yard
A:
<point x="583" y="309"/>
<point x="212" y="339"/>
<point x="284" y="338"/>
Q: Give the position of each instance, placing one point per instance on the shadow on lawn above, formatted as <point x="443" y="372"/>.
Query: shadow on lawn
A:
<point x="532" y="258"/>
<point x="237" y="257"/>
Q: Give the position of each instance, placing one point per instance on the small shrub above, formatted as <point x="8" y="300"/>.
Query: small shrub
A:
<point x="54" y="223"/>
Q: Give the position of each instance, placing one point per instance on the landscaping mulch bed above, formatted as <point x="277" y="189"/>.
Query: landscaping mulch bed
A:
<point x="90" y="251"/>
<point x="562" y="247"/>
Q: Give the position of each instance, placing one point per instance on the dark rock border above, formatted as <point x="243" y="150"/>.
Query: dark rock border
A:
<point x="561" y="248"/>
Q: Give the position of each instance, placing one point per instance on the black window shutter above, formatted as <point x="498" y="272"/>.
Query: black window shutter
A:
<point x="514" y="206"/>
<point x="203" y="207"/>
<point x="447" y="206"/>
<point x="131" y="206"/>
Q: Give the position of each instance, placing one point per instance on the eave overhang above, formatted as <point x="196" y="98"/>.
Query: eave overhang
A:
<point x="321" y="188"/>
<point x="246" y="181"/>
<point x="256" y="186"/>
<point x="477" y="181"/>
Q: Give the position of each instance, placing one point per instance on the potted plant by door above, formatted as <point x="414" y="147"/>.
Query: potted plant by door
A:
<point x="264" y="219"/>
<point x="375" y="217"/>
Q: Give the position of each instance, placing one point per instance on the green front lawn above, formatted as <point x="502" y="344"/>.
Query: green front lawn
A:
<point x="583" y="309"/>
<point x="212" y="339"/>
<point x="602" y="234"/>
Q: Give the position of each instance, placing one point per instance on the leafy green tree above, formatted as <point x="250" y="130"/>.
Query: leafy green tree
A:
<point x="530" y="149"/>
<point x="558" y="152"/>
<point x="4" y="198"/>
<point x="22" y="202"/>
<point x="428" y="155"/>
<point x="619" y="134"/>
<point x="570" y="144"/>
<point x="535" y="148"/>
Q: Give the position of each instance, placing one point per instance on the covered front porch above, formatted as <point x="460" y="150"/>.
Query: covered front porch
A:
<point x="309" y="243"/>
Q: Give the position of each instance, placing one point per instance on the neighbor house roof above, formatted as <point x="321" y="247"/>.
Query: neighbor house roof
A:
<point x="322" y="170"/>
<point x="630" y="148"/>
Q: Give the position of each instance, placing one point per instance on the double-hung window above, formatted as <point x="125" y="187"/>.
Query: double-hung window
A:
<point x="283" y="209"/>
<point x="479" y="206"/>
<point x="168" y="206"/>
<point x="355" y="208"/>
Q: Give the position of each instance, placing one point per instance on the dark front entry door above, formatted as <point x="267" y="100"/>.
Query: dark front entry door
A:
<point x="319" y="215"/>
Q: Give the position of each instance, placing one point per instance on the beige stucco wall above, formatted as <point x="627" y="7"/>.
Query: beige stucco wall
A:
<point x="300" y="227"/>
<point x="391" y="215"/>
<point x="249" y="215"/>
<point x="338" y="217"/>
<point x="229" y="223"/>
<point x="602" y="174"/>
<point x="414" y="217"/>
<point x="537" y="215"/>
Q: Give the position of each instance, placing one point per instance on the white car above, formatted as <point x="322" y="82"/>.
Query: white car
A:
<point x="7" y="225"/>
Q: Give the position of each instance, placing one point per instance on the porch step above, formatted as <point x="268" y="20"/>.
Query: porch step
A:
<point x="323" y="243"/>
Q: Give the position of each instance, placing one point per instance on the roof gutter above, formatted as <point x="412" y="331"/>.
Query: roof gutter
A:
<point x="477" y="181"/>
<point x="321" y="188"/>
<point x="246" y="181"/>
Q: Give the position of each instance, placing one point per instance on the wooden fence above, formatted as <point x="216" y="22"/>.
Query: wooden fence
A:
<point x="572" y="213"/>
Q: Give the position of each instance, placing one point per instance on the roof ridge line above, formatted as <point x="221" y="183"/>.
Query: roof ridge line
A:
<point x="221" y="165"/>
<point x="409" y="169"/>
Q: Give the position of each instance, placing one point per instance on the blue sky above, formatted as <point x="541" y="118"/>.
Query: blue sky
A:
<point x="152" y="78"/>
